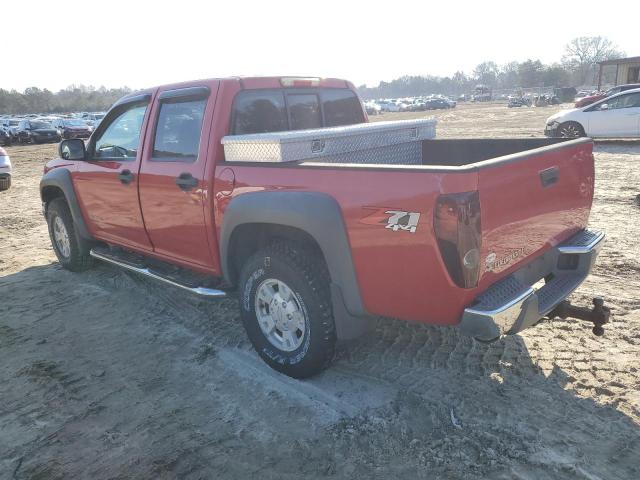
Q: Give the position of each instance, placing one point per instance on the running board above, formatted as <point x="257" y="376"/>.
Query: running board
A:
<point x="201" y="291"/>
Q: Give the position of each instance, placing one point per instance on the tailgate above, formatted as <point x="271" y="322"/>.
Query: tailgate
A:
<point x="532" y="201"/>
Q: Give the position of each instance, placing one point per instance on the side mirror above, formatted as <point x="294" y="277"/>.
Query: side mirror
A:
<point x="604" y="106"/>
<point x="72" y="149"/>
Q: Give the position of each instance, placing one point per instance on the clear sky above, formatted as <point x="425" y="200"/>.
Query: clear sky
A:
<point x="115" y="43"/>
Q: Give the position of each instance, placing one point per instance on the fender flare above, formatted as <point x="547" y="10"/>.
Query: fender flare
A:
<point x="61" y="179"/>
<point x="318" y="215"/>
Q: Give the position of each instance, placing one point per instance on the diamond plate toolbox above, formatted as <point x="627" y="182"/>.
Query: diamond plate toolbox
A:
<point x="380" y="142"/>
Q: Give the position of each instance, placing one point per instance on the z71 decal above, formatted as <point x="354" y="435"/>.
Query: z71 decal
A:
<point x="394" y="220"/>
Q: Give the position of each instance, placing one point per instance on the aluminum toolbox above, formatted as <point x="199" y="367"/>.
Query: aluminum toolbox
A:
<point x="380" y="142"/>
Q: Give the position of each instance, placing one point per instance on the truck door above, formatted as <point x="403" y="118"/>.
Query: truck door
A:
<point x="107" y="183"/>
<point x="173" y="189"/>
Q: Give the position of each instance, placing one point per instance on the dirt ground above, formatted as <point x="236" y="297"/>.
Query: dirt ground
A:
<point x="106" y="375"/>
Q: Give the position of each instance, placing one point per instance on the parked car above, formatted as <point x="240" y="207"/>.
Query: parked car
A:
<point x="372" y="108"/>
<point x="6" y="138"/>
<point x="594" y="97"/>
<point x="72" y="128"/>
<point x="5" y="170"/>
<point x="11" y="125"/>
<point x="37" y="131"/>
<point x="614" y="116"/>
<point x="565" y="94"/>
<point x="519" y="102"/>
<point x="437" y="103"/>
<point x="389" y="106"/>
<point x="316" y="249"/>
<point x="93" y="119"/>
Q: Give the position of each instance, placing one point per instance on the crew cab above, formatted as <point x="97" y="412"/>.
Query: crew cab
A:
<point x="485" y="234"/>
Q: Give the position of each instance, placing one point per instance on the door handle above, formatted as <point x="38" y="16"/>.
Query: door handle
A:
<point x="126" y="177"/>
<point x="186" y="181"/>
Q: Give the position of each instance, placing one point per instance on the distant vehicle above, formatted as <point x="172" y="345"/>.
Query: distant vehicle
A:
<point x="482" y="93"/>
<point x="37" y="131"/>
<point x="615" y="116"/>
<point x="389" y="106"/>
<point x="589" y="99"/>
<point x="11" y="124"/>
<point x="72" y="128"/>
<point x="372" y="108"/>
<point x="6" y="138"/>
<point x="437" y="103"/>
<point x="93" y="119"/>
<point x="5" y="170"/>
<point x="565" y="94"/>
<point x="519" y="102"/>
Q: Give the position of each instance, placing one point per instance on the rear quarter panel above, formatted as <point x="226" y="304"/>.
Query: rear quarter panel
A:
<point x="400" y="274"/>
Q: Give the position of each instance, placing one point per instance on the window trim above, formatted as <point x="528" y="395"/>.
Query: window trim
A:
<point x="179" y="95"/>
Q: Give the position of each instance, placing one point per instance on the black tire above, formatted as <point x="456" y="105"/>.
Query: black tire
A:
<point x="5" y="183"/>
<point x="308" y="279"/>
<point x="570" y="130"/>
<point x="78" y="258"/>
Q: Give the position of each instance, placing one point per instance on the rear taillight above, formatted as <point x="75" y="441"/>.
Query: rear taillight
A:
<point x="457" y="227"/>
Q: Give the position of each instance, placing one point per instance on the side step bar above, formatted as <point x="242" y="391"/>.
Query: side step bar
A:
<point x="202" y="291"/>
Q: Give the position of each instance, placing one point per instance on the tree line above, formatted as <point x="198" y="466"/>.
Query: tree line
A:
<point x="75" y="98"/>
<point x="578" y="67"/>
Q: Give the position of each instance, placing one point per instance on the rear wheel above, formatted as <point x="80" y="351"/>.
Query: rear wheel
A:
<point x="285" y="307"/>
<point x="5" y="183"/>
<point x="570" y="130"/>
<point x="71" y="249"/>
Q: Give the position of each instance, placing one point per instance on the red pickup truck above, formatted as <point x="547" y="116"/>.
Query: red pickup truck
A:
<point x="486" y="234"/>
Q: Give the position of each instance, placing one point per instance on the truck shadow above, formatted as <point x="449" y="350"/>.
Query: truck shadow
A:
<point x="113" y="360"/>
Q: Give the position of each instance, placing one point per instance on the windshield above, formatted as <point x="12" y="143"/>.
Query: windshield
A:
<point x="14" y="123"/>
<point x="40" y="125"/>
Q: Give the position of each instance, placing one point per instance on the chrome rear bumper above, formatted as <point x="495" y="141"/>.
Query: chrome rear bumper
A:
<point x="512" y="304"/>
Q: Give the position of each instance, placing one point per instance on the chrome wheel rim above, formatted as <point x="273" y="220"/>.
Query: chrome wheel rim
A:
<point x="280" y="315"/>
<point x="61" y="237"/>
<point x="570" y="131"/>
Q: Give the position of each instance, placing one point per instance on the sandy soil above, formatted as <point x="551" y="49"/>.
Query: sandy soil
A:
<point x="106" y="375"/>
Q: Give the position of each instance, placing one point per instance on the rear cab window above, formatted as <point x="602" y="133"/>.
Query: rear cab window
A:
<point x="178" y="129"/>
<point x="277" y="110"/>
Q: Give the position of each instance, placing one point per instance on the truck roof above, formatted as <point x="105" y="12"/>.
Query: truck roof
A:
<point x="251" y="83"/>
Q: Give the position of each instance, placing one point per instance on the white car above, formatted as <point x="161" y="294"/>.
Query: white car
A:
<point x="615" y="116"/>
<point x="5" y="170"/>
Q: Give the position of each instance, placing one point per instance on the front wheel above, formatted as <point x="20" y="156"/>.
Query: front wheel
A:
<point x="285" y="307"/>
<point x="71" y="249"/>
<point x="570" y="130"/>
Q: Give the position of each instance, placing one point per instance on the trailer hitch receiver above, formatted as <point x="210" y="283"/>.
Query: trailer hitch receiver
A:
<point x="598" y="315"/>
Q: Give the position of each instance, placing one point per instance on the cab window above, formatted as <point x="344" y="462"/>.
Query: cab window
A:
<point x="119" y="138"/>
<point x="341" y="107"/>
<point x="258" y="111"/>
<point x="304" y="111"/>
<point x="178" y="131"/>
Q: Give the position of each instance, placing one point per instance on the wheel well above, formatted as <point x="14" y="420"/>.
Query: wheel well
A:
<point x="49" y="193"/>
<point x="248" y="238"/>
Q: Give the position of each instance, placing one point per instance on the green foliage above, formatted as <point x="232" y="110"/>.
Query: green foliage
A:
<point x="75" y="98"/>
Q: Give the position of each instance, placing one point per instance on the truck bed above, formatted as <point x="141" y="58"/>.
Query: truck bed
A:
<point x="534" y="194"/>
